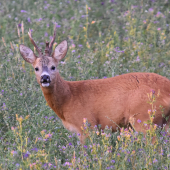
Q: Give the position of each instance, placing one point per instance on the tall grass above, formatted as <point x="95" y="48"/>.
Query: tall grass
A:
<point x="106" y="39"/>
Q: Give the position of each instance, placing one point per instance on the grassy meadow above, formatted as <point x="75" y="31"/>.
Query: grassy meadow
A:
<point x="106" y="38"/>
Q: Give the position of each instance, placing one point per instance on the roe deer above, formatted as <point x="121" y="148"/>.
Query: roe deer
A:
<point x="100" y="101"/>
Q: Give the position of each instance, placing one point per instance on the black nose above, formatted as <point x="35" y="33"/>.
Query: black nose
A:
<point x="45" y="79"/>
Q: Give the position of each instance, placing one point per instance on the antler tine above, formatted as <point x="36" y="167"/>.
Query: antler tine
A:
<point x="52" y="41"/>
<point x="33" y="42"/>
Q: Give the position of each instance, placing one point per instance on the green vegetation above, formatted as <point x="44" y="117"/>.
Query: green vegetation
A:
<point x="106" y="39"/>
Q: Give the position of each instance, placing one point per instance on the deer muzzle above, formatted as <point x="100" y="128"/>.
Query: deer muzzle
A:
<point x="45" y="80"/>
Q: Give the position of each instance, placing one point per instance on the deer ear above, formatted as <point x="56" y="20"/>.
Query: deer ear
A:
<point x="27" y="54"/>
<point x="60" y="51"/>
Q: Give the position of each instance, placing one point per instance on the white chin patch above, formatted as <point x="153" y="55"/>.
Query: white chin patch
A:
<point x="45" y="84"/>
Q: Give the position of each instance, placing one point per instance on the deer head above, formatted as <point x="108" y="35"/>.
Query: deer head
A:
<point x="45" y="65"/>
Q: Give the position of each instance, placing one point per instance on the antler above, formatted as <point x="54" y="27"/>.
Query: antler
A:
<point x="52" y="41"/>
<point x="33" y="42"/>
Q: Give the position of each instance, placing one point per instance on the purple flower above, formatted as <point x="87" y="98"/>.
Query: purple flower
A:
<point x="112" y="161"/>
<point x="46" y="34"/>
<point x="26" y="155"/>
<point x="23" y="11"/>
<point x="139" y="121"/>
<point x="40" y="19"/>
<point x="58" y="26"/>
<point x="70" y="144"/>
<point x="28" y="19"/>
<point x="73" y="51"/>
<point x="20" y="94"/>
<point x="17" y="164"/>
<point x="51" y="117"/>
<point x="80" y="45"/>
<point x="35" y="149"/>
<point x="155" y="160"/>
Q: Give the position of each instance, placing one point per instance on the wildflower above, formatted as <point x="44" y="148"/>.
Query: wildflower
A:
<point x="84" y="120"/>
<point x="149" y="112"/>
<point x="155" y="160"/>
<point x="118" y="154"/>
<point x="97" y="132"/>
<point x="46" y="34"/>
<point x="26" y="117"/>
<point x="40" y="19"/>
<point x="31" y="165"/>
<point x="112" y="161"/>
<point x="93" y="22"/>
<point x="133" y="152"/>
<point x="70" y="144"/>
<point x="103" y="134"/>
<point x="139" y="121"/>
<point x="28" y="19"/>
<point x="20" y="94"/>
<point x="67" y="164"/>
<point x="42" y="132"/>
<point x="13" y="152"/>
<point x="49" y="135"/>
<point x="12" y="128"/>
<point x="17" y="164"/>
<point x="20" y="119"/>
<point x="118" y="137"/>
<point x="35" y="149"/>
<point x="23" y="11"/>
<point x="26" y="155"/>
<point x="155" y="126"/>
<point x="159" y="29"/>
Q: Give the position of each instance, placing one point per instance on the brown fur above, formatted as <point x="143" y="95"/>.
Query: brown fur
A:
<point x="112" y="101"/>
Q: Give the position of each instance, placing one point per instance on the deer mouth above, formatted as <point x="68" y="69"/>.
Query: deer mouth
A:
<point x="45" y="84"/>
<point x="45" y="80"/>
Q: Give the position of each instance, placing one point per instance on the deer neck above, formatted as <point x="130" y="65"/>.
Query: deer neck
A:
<point x="57" y="95"/>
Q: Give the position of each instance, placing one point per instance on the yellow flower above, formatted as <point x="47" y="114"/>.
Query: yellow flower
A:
<point x="97" y="133"/>
<point x="84" y="120"/>
<point x="20" y="119"/>
<point x="27" y="117"/>
<point x="133" y="152"/>
<point x="155" y="126"/>
<point x="42" y="132"/>
<point x="118" y="137"/>
<point x="149" y="112"/>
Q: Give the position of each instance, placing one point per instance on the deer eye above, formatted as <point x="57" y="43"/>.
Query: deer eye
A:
<point x="52" y="68"/>
<point x="36" y="68"/>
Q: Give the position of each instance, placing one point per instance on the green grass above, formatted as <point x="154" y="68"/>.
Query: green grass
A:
<point x="106" y="38"/>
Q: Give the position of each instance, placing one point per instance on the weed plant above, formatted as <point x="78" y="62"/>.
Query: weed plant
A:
<point x="106" y="39"/>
